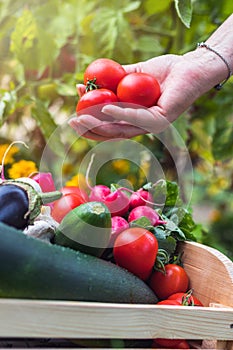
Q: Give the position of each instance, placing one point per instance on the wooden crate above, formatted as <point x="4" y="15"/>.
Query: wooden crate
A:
<point x="208" y="327"/>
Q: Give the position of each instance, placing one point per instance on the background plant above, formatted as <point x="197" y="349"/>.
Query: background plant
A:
<point x="45" y="47"/>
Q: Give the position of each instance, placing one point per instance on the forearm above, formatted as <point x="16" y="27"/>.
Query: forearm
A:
<point x="212" y="69"/>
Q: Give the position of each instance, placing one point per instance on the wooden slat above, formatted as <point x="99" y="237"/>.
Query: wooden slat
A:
<point x="33" y="318"/>
<point x="210" y="272"/>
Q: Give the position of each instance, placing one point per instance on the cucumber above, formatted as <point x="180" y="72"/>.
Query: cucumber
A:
<point x="33" y="269"/>
<point x="86" y="228"/>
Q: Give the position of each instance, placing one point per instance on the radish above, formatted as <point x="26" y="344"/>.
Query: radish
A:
<point x="119" y="224"/>
<point x="148" y="212"/>
<point x="140" y="197"/>
<point x="117" y="201"/>
<point x="45" y="180"/>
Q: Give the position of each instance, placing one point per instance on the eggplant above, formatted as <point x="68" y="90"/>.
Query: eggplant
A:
<point x="14" y="204"/>
<point x="20" y="202"/>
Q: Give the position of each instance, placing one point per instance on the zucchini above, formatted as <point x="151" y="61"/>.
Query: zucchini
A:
<point x="86" y="228"/>
<point x="33" y="269"/>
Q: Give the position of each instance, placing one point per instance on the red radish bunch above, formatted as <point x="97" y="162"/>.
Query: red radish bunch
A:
<point x="117" y="201"/>
<point x="125" y="208"/>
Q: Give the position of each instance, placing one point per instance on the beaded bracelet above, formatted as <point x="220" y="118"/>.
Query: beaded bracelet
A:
<point x="218" y="86"/>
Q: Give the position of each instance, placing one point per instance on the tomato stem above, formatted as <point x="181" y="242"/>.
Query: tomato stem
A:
<point x="187" y="299"/>
<point x="162" y="259"/>
<point x="91" y="85"/>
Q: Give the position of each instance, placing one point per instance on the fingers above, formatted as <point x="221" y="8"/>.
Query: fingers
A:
<point x="94" y="129"/>
<point x="131" y="68"/>
<point x="150" y="120"/>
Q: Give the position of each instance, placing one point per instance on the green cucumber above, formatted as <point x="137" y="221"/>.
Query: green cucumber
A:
<point x="86" y="228"/>
<point x="33" y="269"/>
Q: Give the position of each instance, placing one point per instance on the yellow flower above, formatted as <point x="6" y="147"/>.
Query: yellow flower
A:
<point x="132" y="180"/>
<point x="78" y="180"/>
<point x="73" y="181"/>
<point x="67" y="168"/>
<point x="23" y="168"/>
<point x="121" y="166"/>
<point x="217" y="186"/>
<point x="10" y="153"/>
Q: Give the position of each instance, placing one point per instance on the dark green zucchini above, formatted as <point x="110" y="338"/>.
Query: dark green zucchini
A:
<point x="86" y="228"/>
<point x="33" y="269"/>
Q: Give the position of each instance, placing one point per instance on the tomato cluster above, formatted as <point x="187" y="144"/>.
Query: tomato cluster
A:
<point x="106" y="81"/>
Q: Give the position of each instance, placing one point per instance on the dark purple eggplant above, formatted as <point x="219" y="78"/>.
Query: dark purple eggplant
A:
<point x="14" y="204"/>
<point x="20" y="203"/>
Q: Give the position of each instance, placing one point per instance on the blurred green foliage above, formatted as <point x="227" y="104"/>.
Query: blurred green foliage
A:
<point x="45" y="47"/>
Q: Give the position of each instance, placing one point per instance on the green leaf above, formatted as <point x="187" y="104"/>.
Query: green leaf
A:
<point x="160" y="233"/>
<point x="222" y="145"/>
<point x="147" y="44"/>
<point x="168" y="244"/>
<point x="131" y="6"/>
<point x="65" y="89"/>
<point x="7" y="104"/>
<point x="184" y="11"/>
<point x="32" y="45"/>
<point x="143" y="222"/>
<point x="113" y="32"/>
<point x="47" y="126"/>
<point x="172" y="193"/>
<point x="187" y="225"/>
<point x="174" y="230"/>
<point x="152" y="6"/>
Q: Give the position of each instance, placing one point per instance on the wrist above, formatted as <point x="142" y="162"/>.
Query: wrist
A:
<point x="215" y="57"/>
<point x="229" y="71"/>
<point x="209" y="69"/>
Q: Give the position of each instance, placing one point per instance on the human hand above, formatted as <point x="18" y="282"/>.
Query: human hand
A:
<point x="182" y="82"/>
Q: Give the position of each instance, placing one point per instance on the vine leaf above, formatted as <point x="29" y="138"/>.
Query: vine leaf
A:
<point x="31" y="44"/>
<point x="184" y="11"/>
<point x="47" y="125"/>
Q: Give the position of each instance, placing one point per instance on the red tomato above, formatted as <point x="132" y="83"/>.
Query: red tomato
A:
<point x="186" y="299"/>
<point x="76" y="190"/>
<point x="169" y="302"/>
<point x="170" y="343"/>
<point x="139" y="88"/>
<point x="63" y="205"/>
<point x="93" y="101"/>
<point x="105" y="73"/>
<point x="175" y="279"/>
<point x="136" y="249"/>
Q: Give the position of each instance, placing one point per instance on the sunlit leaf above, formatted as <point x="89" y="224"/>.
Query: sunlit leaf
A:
<point x="152" y="6"/>
<point x="8" y="101"/>
<point x="113" y="32"/>
<point x="32" y="45"/>
<point x="131" y="6"/>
